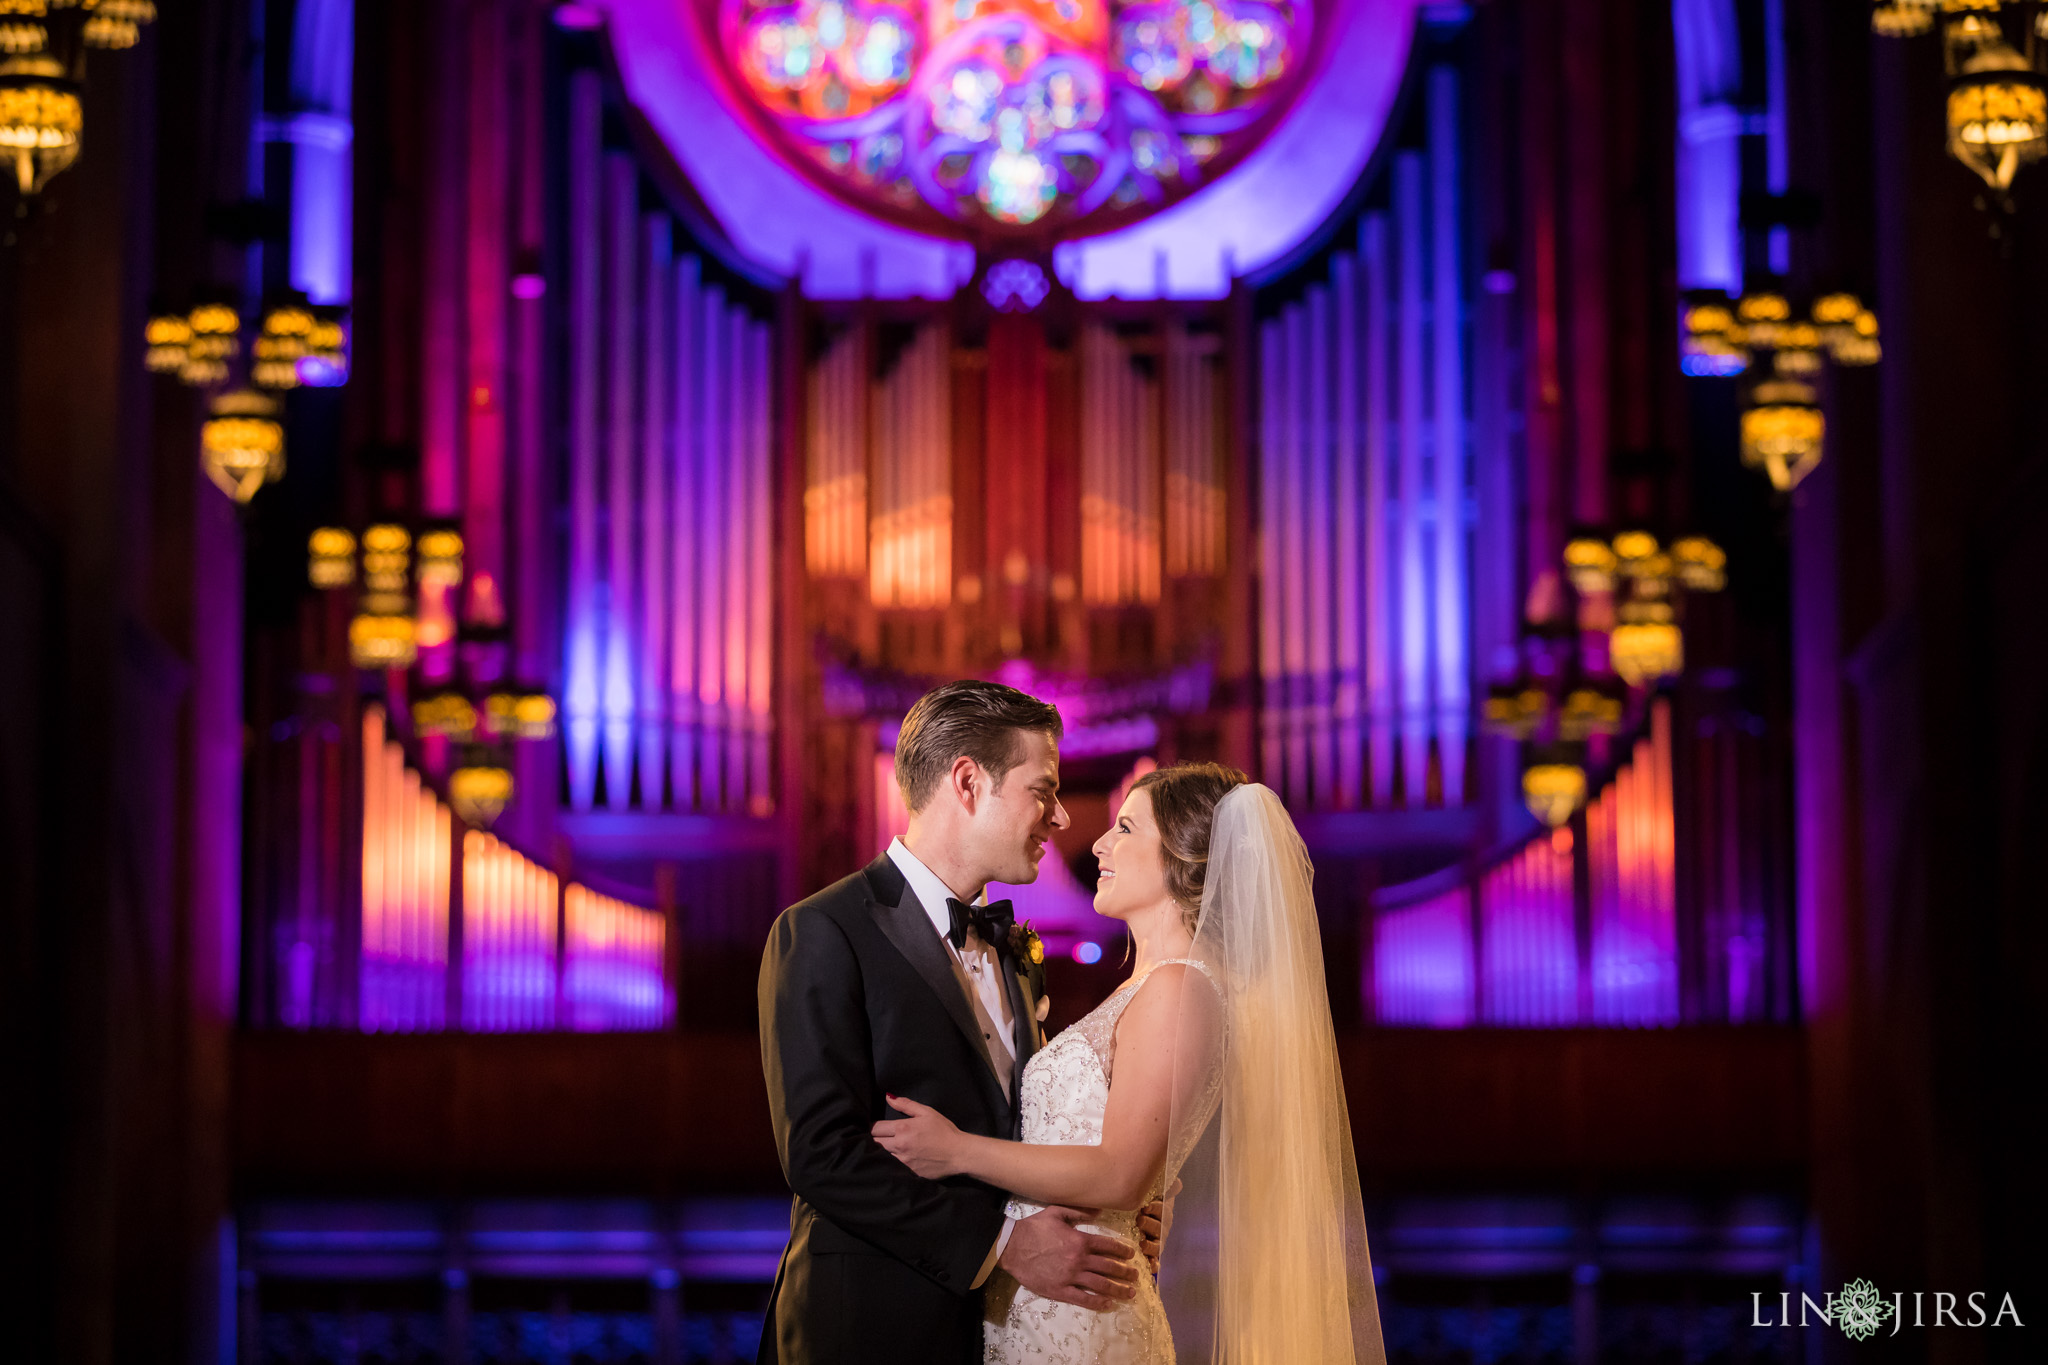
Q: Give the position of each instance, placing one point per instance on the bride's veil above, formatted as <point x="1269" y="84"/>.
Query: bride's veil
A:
<point x="1267" y="1259"/>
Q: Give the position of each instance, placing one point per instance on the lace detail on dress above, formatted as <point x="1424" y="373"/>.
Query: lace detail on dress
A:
<point x="1061" y="1099"/>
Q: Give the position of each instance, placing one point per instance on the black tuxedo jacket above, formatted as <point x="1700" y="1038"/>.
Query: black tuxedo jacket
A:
<point x="859" y="999"/>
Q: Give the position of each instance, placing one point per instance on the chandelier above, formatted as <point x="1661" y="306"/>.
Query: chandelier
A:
<point x="1562" y="697"/>
<point x="384" y="633"/>
<point x="1725" y="336"/>
<point x="1554" y="790"/>
<point x="41" y="119"/>
<point x="44" y="41"/>
<point x="1997" y="98"/>
<point x="241" y="445"/>
<point x="1783" y="430"/>
<point x="296" y="344"/>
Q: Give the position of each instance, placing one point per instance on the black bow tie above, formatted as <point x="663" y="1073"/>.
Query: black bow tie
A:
<point x="990" y="923"/>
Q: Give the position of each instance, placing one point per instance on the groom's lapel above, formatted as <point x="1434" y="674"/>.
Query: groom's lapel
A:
<point x="907" y="926"/>
<point x="1023" y="1016"/>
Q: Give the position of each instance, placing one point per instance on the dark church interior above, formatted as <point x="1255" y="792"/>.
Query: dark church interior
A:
<point x="482" y="481"/>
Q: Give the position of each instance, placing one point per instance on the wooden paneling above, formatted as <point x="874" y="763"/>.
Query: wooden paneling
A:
<point x="669" y="1113"/>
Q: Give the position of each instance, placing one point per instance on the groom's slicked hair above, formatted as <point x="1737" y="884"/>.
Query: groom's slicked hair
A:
<point x="971" y="717"/>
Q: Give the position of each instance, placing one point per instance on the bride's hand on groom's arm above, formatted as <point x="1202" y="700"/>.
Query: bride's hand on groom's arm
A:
<point x="926" y="1140"/>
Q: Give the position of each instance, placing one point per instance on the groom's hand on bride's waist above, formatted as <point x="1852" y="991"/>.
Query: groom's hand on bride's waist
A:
<point x="1155" y="1220"/>
<point x="1054" y="1259"/>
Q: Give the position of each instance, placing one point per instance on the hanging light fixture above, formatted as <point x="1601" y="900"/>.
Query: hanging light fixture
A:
<point x="1783" y="430"/>
<point x="1589" y="710"/>
<point x="41" y="119"/>
<point x="1997" y="114"/>
<point x="480" y="789"/>
<point x="387" y="568"/>
<point x="1798" y="353"/>
<point x="242" y="444"/>
<point x="446" y="712"/>
<point x="1590" y="563"/>
<point x="1555" y="788"/>
<point x="519" y="713"/>
<point x="216" y="339"/>
<point x="168" y="342"/>
<point x="1761" y="315"/>
<point x="382" y="641"/>
<point x="117" y="24"/>
<point x="1635" y="551"/>
<point x="1997" y="98"/>
<point x="21" y="26"/>
<point x="330" y="558"/>
<point x="440" y="552"/>
<point x="1702" y="565"/>
<point x="280" y="344"/>
<point x="384" y="632"/>
<point x="1515" y="710"/>
<point x="324" y="365"/>
<point x="1647" y="648"/>
<point x="1861" y="346"/>
<point x="1902" y="18"/>
<point x="1709" y="345"/>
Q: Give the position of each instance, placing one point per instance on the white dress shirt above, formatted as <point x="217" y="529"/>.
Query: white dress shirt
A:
<point x="980" y="971"/>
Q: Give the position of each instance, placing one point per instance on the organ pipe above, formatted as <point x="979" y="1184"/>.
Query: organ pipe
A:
<point x="669" y="659"/>
<point x="1346" y="504"/>
<point x="1447" y="424"/>
<point x="406" y="850"/>
<point x="1413" y="660"/>
<point x="687" y="393"/>
<point x="508" y="938"/>
<point x="1120" y="476"/>
<point x="656" y="463"/>
<point x="911" y="511"/>
<point x="612" y="967"/>
<point x="1503" y="947"/>
<point x="1378" y="603"/>
<point x="1365" y="597"/>
<point x="1193" y="541"/>
<point x="585" y="210"/>
<point x="616" y="614"/>
<point x="836" y="482"/>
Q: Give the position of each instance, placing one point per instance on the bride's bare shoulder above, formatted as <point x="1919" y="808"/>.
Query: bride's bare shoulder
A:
<point x="1172" y="995"/>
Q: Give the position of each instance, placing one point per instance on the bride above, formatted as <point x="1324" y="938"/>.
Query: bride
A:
<point x="1214" y="1065"/>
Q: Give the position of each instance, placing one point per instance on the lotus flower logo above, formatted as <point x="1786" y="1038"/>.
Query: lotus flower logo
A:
<point x="1860" y="1310"/>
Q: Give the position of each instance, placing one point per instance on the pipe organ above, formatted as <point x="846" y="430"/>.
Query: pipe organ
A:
<point x="910" y="537"/>
<point x="407" y="838"/>
<point x="509" y="947"/>
<point x="836" y="461"/>
<point x="533" y="953"/>
<point x="667" y="670"/>
<point x="1120" y="475"/>
<point x="1193" y="454"/>
<point x="1365" y="486"/>
<point x="1515" y="945"/>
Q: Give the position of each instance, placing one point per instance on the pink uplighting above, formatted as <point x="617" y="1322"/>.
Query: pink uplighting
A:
<point x="407" y="837"/>
<point x="1508" y="947"/>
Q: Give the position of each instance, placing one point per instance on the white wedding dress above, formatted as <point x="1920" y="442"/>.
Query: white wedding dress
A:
<point x="1062" y="1098"/>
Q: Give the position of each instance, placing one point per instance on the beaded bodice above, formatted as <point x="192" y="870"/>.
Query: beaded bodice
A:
<point x="1065" y="1089"/>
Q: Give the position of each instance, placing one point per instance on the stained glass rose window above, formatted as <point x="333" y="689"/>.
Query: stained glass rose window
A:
<point x="991" y="118"/>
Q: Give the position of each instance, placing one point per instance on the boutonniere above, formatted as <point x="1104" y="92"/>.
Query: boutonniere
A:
<point x="1027" y="950"/>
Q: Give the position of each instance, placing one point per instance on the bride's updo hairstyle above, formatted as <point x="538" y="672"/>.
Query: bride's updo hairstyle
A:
<point x="1184" y="801"/>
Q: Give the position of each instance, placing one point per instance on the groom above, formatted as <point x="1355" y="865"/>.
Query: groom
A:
<point x="898" y="980"/>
